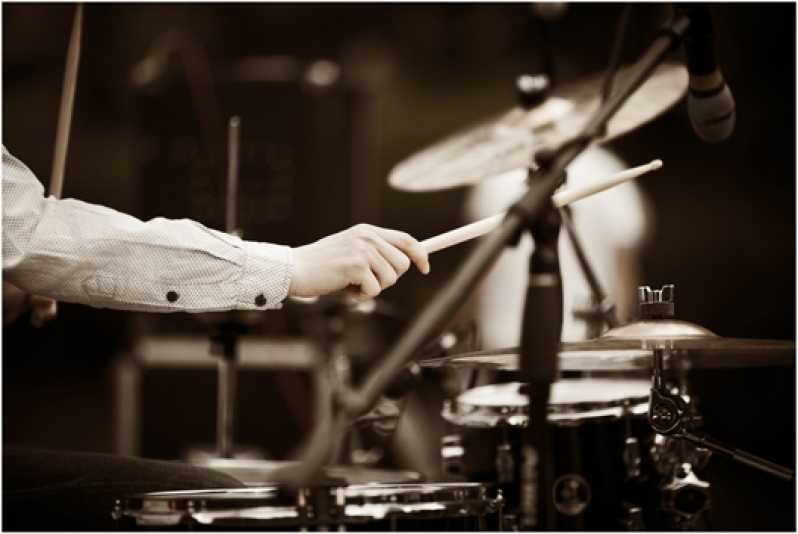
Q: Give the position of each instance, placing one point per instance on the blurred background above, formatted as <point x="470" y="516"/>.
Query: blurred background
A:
<point x="331" y="97"/>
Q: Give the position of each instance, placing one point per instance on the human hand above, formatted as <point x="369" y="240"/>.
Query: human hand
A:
<point x="16" y="302"/>
<point x="362" y="260"/>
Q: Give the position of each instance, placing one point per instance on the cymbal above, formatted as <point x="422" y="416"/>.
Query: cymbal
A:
<point x="691" y="346"/>
<point x="510" y="141"/>
<point x="506" y="359"/>
<point x="629" y="347"/>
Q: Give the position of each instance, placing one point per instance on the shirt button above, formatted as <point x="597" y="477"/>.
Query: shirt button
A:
<point x="260" y="300"/>
<point x="172" y="296"/>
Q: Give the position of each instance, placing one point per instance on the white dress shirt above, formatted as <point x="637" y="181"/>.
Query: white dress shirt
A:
<point x="74" y="251"/>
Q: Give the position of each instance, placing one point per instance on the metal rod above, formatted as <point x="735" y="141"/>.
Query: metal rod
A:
<point x="226" y="406"/>
<point x="233" y="149"/>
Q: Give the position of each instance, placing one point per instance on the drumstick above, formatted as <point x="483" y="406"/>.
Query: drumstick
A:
<point x="563" y="198"/>
<point x="67" y="102"/>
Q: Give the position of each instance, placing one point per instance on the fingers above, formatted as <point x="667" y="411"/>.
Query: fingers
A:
<point x="43" y="309"/>
<point x="405" y="243"/>
<point x="363" y="260"/>
<point x="389" y="257"/>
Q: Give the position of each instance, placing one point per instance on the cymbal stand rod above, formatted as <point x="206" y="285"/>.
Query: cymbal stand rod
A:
<point x="602" y="310"/>
<point x="656" y="381"/>
<point x="227" y="337"/>
<point x="727" y="451"/>
<point x="225" y="346"/>
<point x="233" y="143"/>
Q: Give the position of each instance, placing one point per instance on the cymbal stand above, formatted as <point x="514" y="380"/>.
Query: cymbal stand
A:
<point x="670" y="415"/>
<point x="600" y="312"/>
<point x="225" y="339"/>
<point x="225" y="344"/>
<point x="684" y="495"/>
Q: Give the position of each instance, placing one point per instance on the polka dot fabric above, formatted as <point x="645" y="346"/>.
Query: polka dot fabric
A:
<point x="78" y="252"/>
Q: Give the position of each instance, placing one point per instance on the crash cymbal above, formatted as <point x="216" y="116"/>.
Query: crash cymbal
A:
<point x="511" y="140"/>
<point x="629" y="347"/>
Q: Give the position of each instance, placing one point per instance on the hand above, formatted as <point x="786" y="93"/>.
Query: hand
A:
<point x="363" y="260"/>
<point x="16" y="302"/>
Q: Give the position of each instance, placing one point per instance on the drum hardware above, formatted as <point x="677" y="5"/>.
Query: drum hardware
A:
<point x="591" y="421"/>
<point x="600" y="312"/>
<point x="632" y="518"/>
<point x="631" y="445"/>
<point x="452" y="452"/>
<point x="669" y="414"/>
<point x="667" y="454"/>
<point x="685" y="497"/>
<point x="505" y="462"/>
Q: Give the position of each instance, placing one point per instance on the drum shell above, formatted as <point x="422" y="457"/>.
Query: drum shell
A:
<point x="590" y="486"/>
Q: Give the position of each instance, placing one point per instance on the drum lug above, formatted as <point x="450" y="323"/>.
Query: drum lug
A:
<point x="452" y="453"/>
<point x="631" y="457"/>
<point x="633" y="518"/>
<point x="505" y="463"/>
<point x="685" y="496"/>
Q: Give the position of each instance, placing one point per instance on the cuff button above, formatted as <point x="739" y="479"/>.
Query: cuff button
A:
<point x="260" y="300"/>
<point x="172" y="296"/>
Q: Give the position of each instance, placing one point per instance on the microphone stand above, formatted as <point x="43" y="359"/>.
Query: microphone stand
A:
<point x="540" y="337"/>
<point x="535" y="203"/>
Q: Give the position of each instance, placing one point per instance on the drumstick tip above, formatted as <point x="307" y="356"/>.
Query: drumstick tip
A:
<point x="656" y="164"/>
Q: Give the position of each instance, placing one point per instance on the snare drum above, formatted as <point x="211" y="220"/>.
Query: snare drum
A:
<point x="370" y="507"/>
<point x="598" y="429"/>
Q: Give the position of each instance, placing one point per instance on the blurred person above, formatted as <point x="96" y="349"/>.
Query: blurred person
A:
<point x="611" y="227"/>
<point x="73" y="251"/>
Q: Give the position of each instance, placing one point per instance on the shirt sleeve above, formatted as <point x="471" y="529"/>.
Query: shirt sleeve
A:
<point x="74" y="251"/>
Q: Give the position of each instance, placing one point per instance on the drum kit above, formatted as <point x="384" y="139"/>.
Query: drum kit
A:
<point x="611" y="453"/>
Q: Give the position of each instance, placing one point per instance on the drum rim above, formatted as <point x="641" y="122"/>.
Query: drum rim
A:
<point x="471" y="414"/>
<point x="363" y="503"/>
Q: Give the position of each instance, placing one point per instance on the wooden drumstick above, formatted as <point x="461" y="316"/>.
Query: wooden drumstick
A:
<point x="563" y="198"/>
<point x="67" y="103"/>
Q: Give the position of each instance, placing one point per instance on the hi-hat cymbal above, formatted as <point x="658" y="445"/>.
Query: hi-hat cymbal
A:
<point x="629" y="347"/>
<point x="510" y="141"/>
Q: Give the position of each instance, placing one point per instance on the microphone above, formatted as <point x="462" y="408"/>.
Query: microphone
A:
<point x="710" y="104"/>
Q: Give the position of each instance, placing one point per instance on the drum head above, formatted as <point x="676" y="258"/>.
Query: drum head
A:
<point x="570" y="402"/>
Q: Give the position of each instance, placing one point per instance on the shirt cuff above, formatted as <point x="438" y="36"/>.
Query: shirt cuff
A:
<point x="267" y="275"/>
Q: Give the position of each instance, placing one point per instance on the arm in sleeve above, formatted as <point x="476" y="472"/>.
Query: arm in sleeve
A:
<point x="74" y="251"/>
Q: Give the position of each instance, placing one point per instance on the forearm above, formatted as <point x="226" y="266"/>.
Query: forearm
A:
<point x="78" y="252"/>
